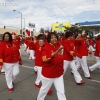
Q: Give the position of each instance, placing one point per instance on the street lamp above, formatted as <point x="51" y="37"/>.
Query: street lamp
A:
<point x="21" y="20"/>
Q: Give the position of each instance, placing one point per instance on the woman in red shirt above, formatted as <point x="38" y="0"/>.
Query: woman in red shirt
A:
<point x="9" y="59"/>
<point x="52" y="71"/>
<point x="97" y="55"/>
<point x="91" y="44"/>
<point x="69" y="54"/>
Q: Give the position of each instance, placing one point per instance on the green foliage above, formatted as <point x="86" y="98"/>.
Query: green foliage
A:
<point x="42" y="30"/>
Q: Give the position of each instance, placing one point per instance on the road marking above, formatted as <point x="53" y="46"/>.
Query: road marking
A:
<point x="95" y="81"/>
<point x="27" y="66"/>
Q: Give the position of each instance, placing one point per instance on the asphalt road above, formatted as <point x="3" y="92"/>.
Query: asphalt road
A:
<point x="24" y="88"/>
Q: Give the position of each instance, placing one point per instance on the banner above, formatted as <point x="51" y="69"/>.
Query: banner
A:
<point x="60" y="26"/>
<point x="31" y="25"/>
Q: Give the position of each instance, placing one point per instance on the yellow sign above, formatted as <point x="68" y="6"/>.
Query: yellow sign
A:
<point x="60" y="26"/>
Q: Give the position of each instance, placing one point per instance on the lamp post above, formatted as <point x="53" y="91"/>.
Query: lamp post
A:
<point x="24" y="21"/>
<point x="21" y="20"/>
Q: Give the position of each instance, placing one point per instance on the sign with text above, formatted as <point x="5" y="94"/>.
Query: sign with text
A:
<point x="60" y="26"/>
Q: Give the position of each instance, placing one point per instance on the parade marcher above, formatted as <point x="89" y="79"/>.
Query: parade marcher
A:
<point x="52" y="70"/>
<point x="77" y="60"/>
<point x="84" y="53"/>
<point x="2" y="70"/>
<point x="16" y="41"/>
<point x="91" y="44"/>
<point x="27" y="46"/>
<point x="38" y="46"/>
<point x="97" y="55"/>
<point x="24" y="39"/>
<point x="69" y="54"/>
<point x="38" y="59"/>
<point x="31" y="50"/>
<point x="9" y="59"/>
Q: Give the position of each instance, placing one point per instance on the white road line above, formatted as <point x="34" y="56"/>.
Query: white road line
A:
<point x="27" y="66"/>
<point x="95" y="81"/>
<point x="89" y="80"/>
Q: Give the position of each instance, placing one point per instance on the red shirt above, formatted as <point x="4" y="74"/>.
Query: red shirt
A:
<point x="31" y="45"/>
<point x="38" y="54"/>
<point x="82" y="48"/>
<point x="52" y="66"/>
<point x="29" y="40"/>
<point x="90" y="42"/>
<point x="16" y="43"/>
<point x="0" y="41"/>
<point x="68" y="46"/>
<point x="8" y="53"/>
<point x="97" y="51"/>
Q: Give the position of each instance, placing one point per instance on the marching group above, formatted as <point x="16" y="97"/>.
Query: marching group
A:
<point x="52" y="54"/>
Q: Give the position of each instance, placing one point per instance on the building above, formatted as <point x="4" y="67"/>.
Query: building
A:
<point x="3" y="30"/>
<point x="93" y="26"/>
<point x="17" y="31"/>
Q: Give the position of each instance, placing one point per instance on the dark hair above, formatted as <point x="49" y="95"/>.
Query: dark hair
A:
<point x="41" y="38"/>
<point x="98" y="37"/>
<point x="10" y="36"/>
<point x="49" y="36"/>
<point x="68" y="34"/>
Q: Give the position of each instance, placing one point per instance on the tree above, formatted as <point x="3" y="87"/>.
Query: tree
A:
<point x="42" y="30"/>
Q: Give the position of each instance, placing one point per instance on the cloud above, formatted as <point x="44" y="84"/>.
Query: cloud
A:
<point x="45" y="12"/>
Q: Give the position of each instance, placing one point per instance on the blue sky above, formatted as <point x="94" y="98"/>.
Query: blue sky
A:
<point x="45" y="12"/>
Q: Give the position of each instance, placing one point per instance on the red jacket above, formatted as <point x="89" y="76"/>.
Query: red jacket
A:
<point x="97" y="48"/>
<point x="31" y="45"/>
<point x="0" y="41"/>
<point x="9" y="53"/>
<point x="90" y="42"/>
<point x="38" y="54"/>
<point x="28" y="41"/>
<point x="52" y="66"/>
<point x="68" y="46"/>
<point x="82" y="47"/>
<point x="16" y="43"/>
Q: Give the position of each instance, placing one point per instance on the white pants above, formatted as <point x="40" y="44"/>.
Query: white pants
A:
<point x="28" y="50"/>
<point x="11" y="71"/>
<point x="78" y="63"/>
<point x="83" y="62"/>
<point x="39" y="69"/>
<point x="46" y="84"/>
<point x="76" y="74"/>
<point x="96" y="65"/>
<point x="24" y="46"/>
<point x="31" y="54"/>
<point x="91" y="48"/>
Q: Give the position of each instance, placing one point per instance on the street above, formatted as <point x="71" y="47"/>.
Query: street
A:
<point x="24" y="88"/>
